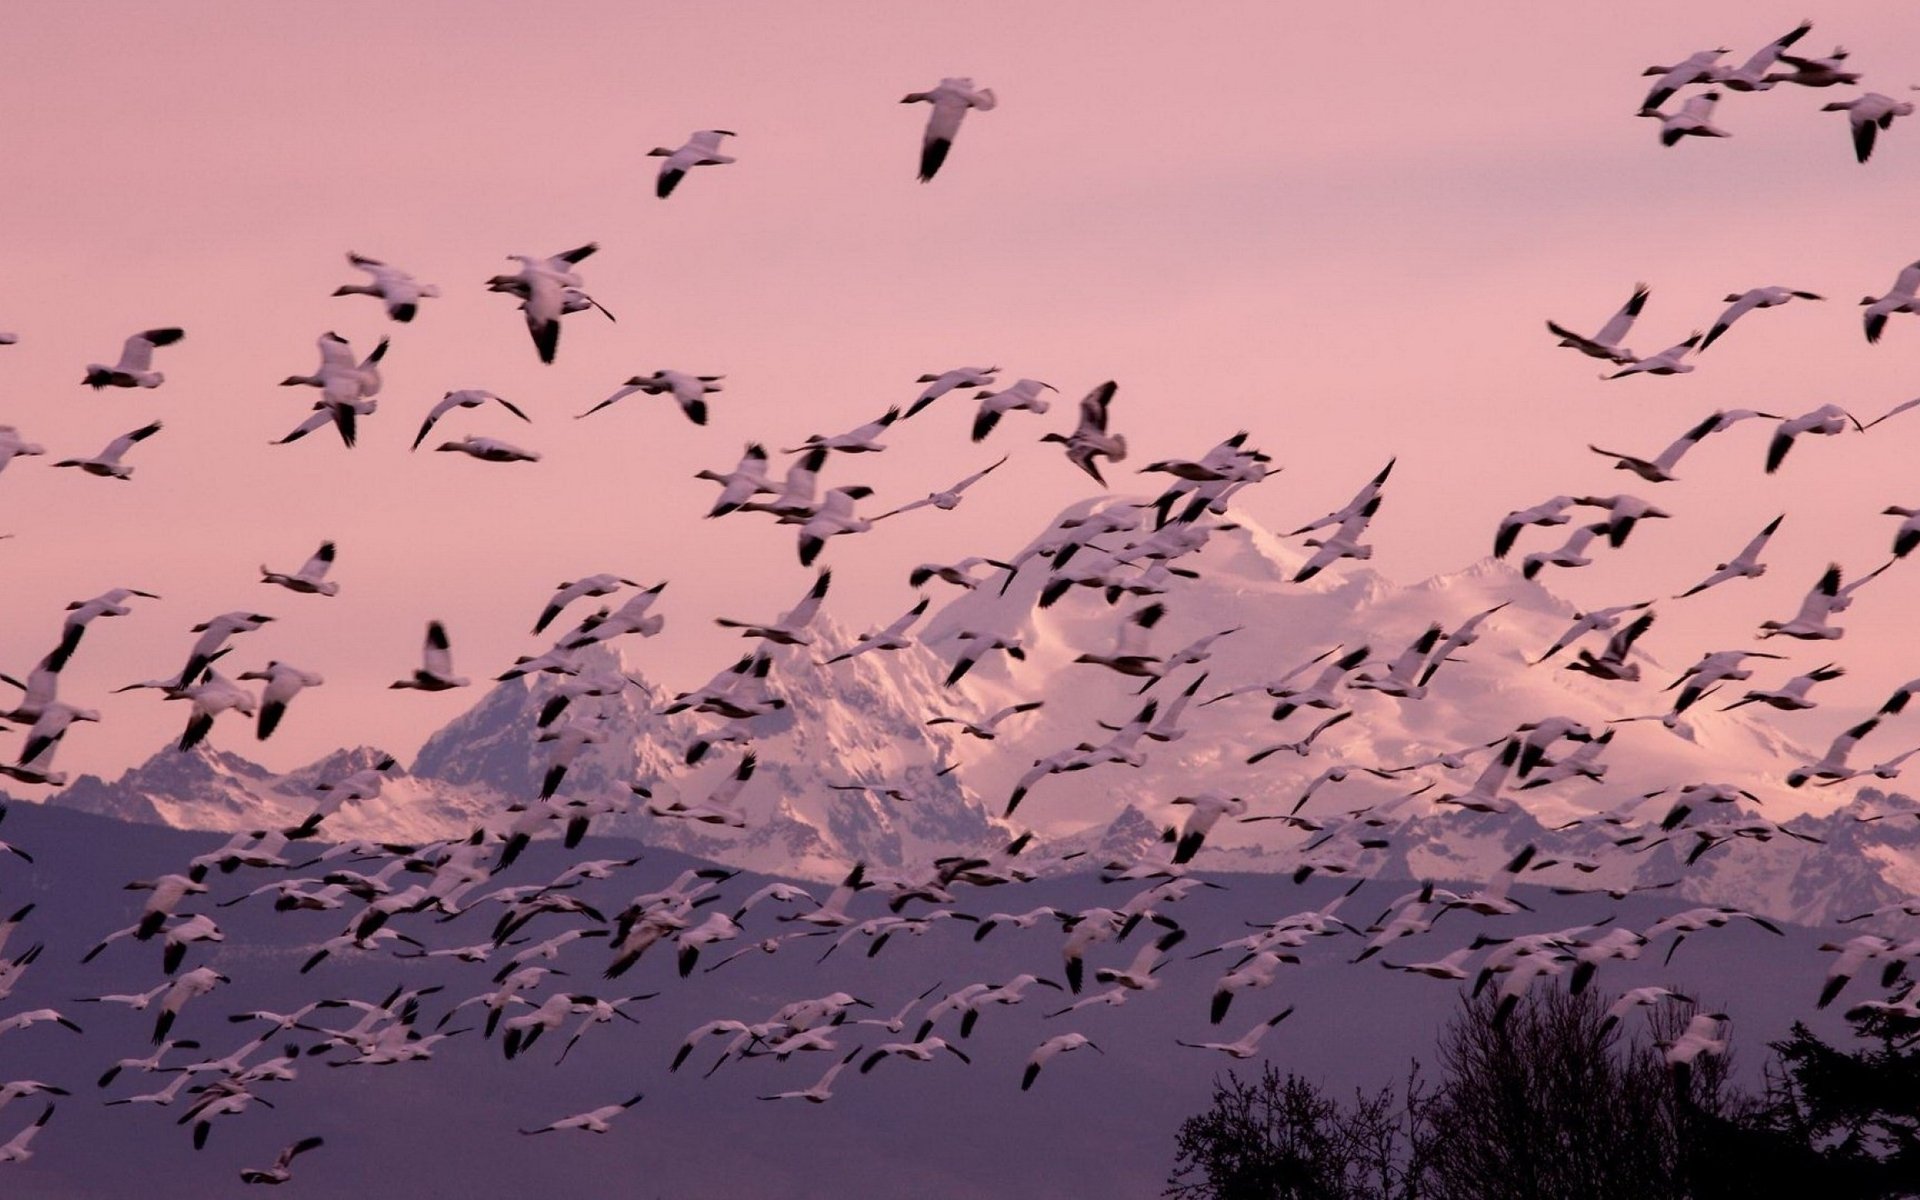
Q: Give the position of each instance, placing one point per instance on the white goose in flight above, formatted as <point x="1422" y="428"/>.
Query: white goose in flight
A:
<point x="834" y="517"/>
<point x="1666" y="362"/>
<point x="688" y="391"/>
<point x="107" y="464"/>
<point x="592" y="1121"/>
<point x="282" y="1169"/>
<point x="1695" y="119"/>
<point x="1090" y="439"/>
<point x="464" y="398"/>
<point x="1022" y="396"/>
<point x="1249" y="1044"/>
<point x="1606" y="343"/>
<point x="400" y="292"/>
<point x="862" y="439"/>
<point x="18" y="1148"/>
<point x="488" y="449"/>
<point x="1660" y="469"/>
<point x="1751" y="76"/>
<point x="946" y="381"/>
<point x="1825" y="421"/>
<point x="80" y="613"/>
<point x="1790" y="696"/>
<point x="702" y="149"/>
<point x="1051" y="1049"/>
<point x="743" y="483"/>
<point x="1868" y="114"/>
<point x="791" y="628"/>
<point x="548" y="289"/>
<point x="1744" y="565"/>
<point x="135" y="368"/>
<point x="311" y="578"/>
<point x="1899" y="299"/>
<point x="211" y="696"/>
<point x="1739" y="304"/>
<point x="436" y="664"/>
<point x="1698" y="67"/>
<point x="13" y="446"/>
<point x="283" y="682"/>
<point x="950" y="100"/>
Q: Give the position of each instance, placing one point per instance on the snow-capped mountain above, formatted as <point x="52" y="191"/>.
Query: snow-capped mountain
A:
<point x="862" y="722"/>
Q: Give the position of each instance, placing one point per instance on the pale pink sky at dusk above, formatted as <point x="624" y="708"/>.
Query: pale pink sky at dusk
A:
<point x="1337" y="227"/>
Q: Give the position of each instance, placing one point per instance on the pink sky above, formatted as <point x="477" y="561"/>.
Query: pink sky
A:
<point x="1336" y="230"/>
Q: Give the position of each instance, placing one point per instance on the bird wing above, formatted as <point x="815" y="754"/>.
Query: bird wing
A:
<point x="1617" y="325"/>
<point x="1894" y="411"/>
<point x="125" y="441"/>
<point x="618" y="396"/>
<point x="437" y="655"/>
<point x="1093" y="407"/>
<point x="452" y="401"/>
<point x="1759" y="542"/>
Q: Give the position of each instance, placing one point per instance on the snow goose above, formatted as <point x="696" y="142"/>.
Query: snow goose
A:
<point x="1790" y="696"/>
<point x="863" y="439"/>
<point x="212" y="696"/>
<point x="107" y="464"/>
<point x="1624" y="512"/>
<point x="1023" y="396"/>
<point x="1751" y="76"/>
<point x="922" y="1051"/>
<point x="1811" y="622"/>
<point x="946" y="381"/>
<point x="1606" y="343"/>
<point x="631" y="617"/>
<point x="1868" y="114"/>
<point x="488" y="449"/>
<point x="743" y="483"/>
<point x="548" y="288"/>
<point x="19" y="1147"/>
<point x="1090" y="439"/>
<point x="212" y="643"/>
<point x="310" y="579"/>
<point x="50" y="726"/>
<point x="790" y="629"/>
<point x="1898" y="299"/>
<point x="949" y="499"/>
<point x="701" y="149"/>
<point x="1704" y="1034"/>
<point x="822" y="1091"/>
<point x="1611" y="663"/>
<point x="135" y="368"/>
<point x="1739" y="304"/>
<point x="1807" y="71"/>
<point x="833" y="518"/>
<point x="464" y="398"/>
<point x="688" y="391"/>
<point x="282" y="1169"/>
<point x="1050" y="1049"/>
<point x="1744" y="565"/>
<point x="1833" y="764"/>
<point x="950" y="100"/>
<point x="1666" y="362"/>
<point x="1698" y="67"/>
<point x="400" y="292"/>
<point x="1572" y="553"/>
<point x="13" y="446"/>
<point x="603" y="584"/>
<point x="891" y="637"/>
<point x="436" y="665"/>
<point x="1552" y="511"/>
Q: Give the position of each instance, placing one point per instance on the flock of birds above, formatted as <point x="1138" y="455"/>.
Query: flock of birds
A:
<point x="1868" y="114"/>
<point x="1132" y="557"/>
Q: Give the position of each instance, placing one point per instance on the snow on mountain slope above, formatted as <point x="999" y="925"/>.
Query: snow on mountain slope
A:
<point x="863" y="722"/>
